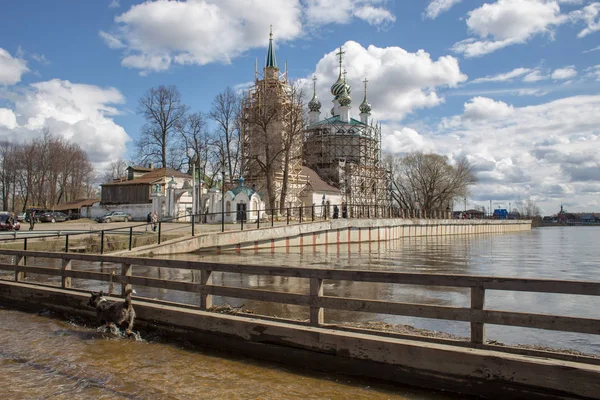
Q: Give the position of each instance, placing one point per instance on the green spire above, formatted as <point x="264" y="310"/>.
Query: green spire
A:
<point x="271" y="60"/>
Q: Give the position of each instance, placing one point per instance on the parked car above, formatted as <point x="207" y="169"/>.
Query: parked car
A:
<point x="21" y="217"/>
<point x="54" y="216"/>
<point x="74" y="215"/>
<point x="114" y="216"/>
<point x="5" y="226"/>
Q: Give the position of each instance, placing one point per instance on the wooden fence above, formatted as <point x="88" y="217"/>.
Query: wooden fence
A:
<point x="476" y="314"/>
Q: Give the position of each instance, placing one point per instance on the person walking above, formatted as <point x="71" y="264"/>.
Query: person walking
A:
<point x="148" y="220"/>
<point x="31" y="220"/>
<point x="11" y="221"/>
<point x="154" y="221"/>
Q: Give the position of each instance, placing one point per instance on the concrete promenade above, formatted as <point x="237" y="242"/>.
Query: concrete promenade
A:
<point x="330" y="232"/>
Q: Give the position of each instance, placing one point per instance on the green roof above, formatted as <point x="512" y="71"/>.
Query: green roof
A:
<point x="248" y="191"/>
<point x="337" y="120"/>
<point x="271" y="60"/>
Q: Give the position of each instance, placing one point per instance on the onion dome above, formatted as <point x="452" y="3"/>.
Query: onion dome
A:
<point x="344" y="98"/>
<point x="365" y="107"/>
<point x="314" y="104"/>
<point x="339" y="86"/>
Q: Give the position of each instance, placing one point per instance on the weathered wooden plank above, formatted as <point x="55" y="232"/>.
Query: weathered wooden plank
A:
<point x="206" y="300"/>
<point x="258" y="294"/>
<point x="316" y="313"/>
<point x="477" y="304"/>
<point x="91" y="275"/>
<point x="490" y="283"/>
<point x="405" y="309"/>
<point x="7" y="267"/>
<point x="20" y="269"/>
<point x="541" y="321"/>
<point x="65" y="280"/>
<point x="125" y="272"/>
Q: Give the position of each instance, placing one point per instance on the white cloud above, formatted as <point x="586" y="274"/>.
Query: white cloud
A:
<point x="8" y="119"/>
<point x="591" y="50"/>
<point x="593" y="72"/>
<point x="11" y="68"/>
<point x="111" y="40"/>
<point x="399" y="81"/>
<point x="80" y="113"/>
<point x="155" y="35"/>
<point x="590" y="16"/>
<point x="504" y="77"/>
<point x="437" y="7"/>
<point x="114" y="4"/>
<point x="546" y="150"/>
<point x="508" y="22"/>
<point x="534" y="76"/>
<point x="483" y="108"/>
<point x="159" y="33"/>
<point x="564" y="73"/>
<point x="374" y="15"/>
<point x="321" y="12"/>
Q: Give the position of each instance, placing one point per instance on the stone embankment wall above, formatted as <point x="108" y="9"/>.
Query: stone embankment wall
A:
<point x="338" y="231"/>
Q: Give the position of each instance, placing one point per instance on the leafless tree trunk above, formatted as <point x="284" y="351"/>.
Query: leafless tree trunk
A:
<point x="292" y="140"/>
<point x="164" y="113"/>
<point x="265" y="123"/>
<point x="226" y="112"/>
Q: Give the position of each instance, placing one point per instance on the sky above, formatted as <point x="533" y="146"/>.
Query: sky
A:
<point x="513" y="85"/>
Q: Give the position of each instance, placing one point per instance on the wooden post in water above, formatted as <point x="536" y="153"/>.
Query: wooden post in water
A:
<point x="125" y="272"/>
<point x="477" y="304"/>
<point x="206" y="300"/>
<point x="19" y="274"/>
<point x="316" y="291"/>
<point x="65" y="280"/>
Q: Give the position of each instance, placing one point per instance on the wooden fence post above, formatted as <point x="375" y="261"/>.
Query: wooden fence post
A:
<point x="65" y="280"/>
<point x="206" y="300"/>
<point x="316" y="291"/>
<point x="125" y="272"/>
<point x="19" y="274"/>
<point x="477" y="304"/>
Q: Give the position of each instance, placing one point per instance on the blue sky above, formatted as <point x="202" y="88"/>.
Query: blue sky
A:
<point x="511" y="84"/>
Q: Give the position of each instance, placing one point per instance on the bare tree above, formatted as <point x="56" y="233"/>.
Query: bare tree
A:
<point x="530" y="209"/>
<point x="199" y="142"/>
<point x="294" y="119"/>
<point x="115" y="170"/>
<point x="429" y="181"/>
<point x="226" y="112"/>
<point x="264" y="121"/>
<point x="164" y="113"/>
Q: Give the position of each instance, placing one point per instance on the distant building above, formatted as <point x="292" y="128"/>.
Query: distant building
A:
<point x="143" y="190"/>
<point x="336" y="158"/>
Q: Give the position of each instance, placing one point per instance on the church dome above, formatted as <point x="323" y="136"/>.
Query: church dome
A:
<point x="365" y="107"/>
<point x="339" y="86"/>
<point x="314" y="104"/>
<point x="344" y="98"/>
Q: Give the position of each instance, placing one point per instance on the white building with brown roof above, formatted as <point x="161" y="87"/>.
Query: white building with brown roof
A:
<point x="146" y="190"/>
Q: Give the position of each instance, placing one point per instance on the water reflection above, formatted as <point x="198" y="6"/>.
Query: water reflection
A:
<point x="561" y="253"/>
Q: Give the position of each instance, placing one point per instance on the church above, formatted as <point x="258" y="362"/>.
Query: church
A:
<point x="295" y="161"/>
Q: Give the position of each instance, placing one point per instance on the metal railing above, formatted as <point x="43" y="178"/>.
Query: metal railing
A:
<point x="127" y="237"/>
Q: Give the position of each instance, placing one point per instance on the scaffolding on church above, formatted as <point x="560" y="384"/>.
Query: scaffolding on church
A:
<point x="348" y="156"/>
<point x="271" y="140"/>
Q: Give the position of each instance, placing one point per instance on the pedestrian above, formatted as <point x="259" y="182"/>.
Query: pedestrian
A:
<point x="148" y="220"/>
<point x="11" y="221"/>
<point x="31" y="220"/>
<point x="154" y="221"/>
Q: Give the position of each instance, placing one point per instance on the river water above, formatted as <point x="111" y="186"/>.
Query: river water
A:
<point x="46" y="357"/>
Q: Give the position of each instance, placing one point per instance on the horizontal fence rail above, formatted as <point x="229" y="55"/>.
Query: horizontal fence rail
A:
<point x="317" y="302"/>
